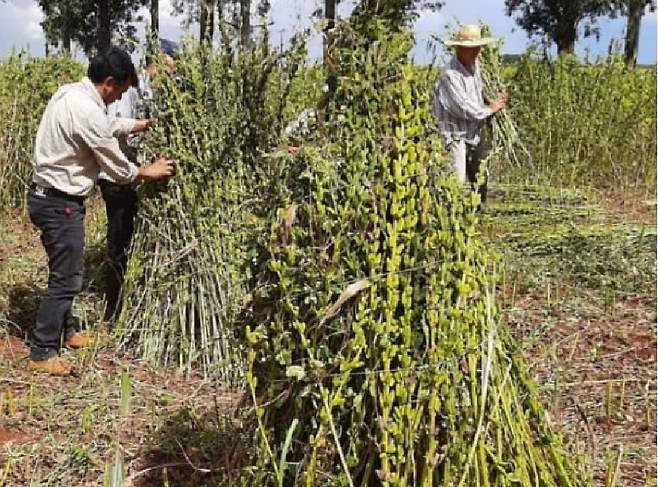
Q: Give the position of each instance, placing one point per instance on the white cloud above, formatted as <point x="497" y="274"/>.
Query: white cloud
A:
<point x="21" y="29"/>
<point x="167" y="18"/>
<point x="33" y="19"/>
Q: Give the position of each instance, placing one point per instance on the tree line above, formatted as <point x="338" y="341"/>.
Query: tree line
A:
<point x="95" y="24"/>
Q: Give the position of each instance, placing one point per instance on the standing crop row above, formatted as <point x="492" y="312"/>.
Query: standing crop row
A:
<point x="26" y="85"/>
<point x="585" y="124"/>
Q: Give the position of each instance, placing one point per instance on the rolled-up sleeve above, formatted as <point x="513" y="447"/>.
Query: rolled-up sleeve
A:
<point x="457" y="102"/>
<point x="97" y="133"/>
<point x="121" y="126"/>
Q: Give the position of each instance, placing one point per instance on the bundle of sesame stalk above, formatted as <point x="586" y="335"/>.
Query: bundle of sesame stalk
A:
<point x="505" y="137"/>
<point x="376" y="355"/>
<point x="217" y="114"/>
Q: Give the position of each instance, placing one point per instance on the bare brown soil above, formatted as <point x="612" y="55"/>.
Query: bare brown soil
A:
<point x="594" y="362"/>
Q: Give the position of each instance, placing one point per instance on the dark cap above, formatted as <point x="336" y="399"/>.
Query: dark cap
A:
<point x="169" y="47"/>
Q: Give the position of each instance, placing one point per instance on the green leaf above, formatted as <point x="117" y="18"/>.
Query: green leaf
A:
<point x="296" y="372"/>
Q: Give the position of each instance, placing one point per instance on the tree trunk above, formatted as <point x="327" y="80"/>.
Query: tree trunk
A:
<point x="155" y="18"/>
<point x="66" y="43"/>
<point x="224" y="37"/>
<point x="245" y="23"/>
<point x="635" y="12"/>
<point x="565" y="38"/>
<point x="565" y="46"/>
<point x="104" y="34"/>
<point x="207" y="21"/>
<point x="330" y="17"/>
<point x="211" y="19"/>
<point x="203" y="20"/>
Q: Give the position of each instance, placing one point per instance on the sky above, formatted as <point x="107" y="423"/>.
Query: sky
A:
<point x="20" y="21"/>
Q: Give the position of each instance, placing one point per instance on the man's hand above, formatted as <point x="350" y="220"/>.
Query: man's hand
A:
<point x="499" y="103"/>
<point x="159" y="169"/>
<point x="142" y="125"/>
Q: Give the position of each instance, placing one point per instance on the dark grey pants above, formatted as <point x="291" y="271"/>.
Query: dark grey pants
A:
<point x="61" y="223"/>
<point x="467" y="160"/>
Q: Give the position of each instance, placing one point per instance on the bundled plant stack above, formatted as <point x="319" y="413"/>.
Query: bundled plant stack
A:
<point x="505" y="139"/>
<point x="26" y="85"/>
<point x="375" y="354"/>
<point x="186" y="276"/>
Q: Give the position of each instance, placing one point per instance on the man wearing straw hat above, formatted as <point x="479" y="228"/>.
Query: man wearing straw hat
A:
<point x="460" y="107"/>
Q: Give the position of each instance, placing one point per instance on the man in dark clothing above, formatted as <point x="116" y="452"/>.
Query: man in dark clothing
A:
<point x="121" y="200"/>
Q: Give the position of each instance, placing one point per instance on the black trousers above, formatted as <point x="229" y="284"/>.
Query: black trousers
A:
<point x="467" y="162"/>
<point x="475" y="155"/>
<point x="121" y="204"/>
<point x="61" y="223"/>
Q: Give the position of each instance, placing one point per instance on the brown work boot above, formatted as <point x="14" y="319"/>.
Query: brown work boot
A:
<point x="53" y="366"/>
<point x="79" y="339"/>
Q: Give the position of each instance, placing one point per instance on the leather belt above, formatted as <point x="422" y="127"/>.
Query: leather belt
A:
<point x="55" y="193"/>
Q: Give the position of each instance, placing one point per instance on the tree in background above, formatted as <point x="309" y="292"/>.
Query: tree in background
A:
<point x="93" y="24"/>
<point x="198" y="11"/>
<point x="61" y="21"/>
<point x="155" y="18"/>
<point x="234" y="17"/>
<point x="559" y="19"/>
<point x="395" y="13"/>
<point x="634" y="10"/>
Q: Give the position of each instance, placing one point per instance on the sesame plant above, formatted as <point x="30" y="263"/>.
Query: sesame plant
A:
<point x="376" y="355"/>
<point x="584" y="124"/>
<point x="505" y="141"/>
<point x="26" y="85"/>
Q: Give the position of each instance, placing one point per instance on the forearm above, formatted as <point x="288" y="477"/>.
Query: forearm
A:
<point x="159" y="169"/>
<point x="123" y="126"/>
<point x="115" y="164"/>
<point x="470" y="112"/>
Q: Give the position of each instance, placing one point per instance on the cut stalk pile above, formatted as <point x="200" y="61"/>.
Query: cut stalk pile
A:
<point x="505" y="137"/>
<point x="188" y="266"/>
<point x="375" y="352"/>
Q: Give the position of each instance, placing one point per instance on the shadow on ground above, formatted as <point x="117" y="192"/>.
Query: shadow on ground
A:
<point x="23" y="298"/>
<point x="23" y="304"/>
<point x="194" y="451"/>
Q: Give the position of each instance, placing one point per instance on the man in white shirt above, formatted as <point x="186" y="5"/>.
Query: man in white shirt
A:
<point x="75" y="141"/>
<point x="121" y="200"/>
<point x="460" y="108"/>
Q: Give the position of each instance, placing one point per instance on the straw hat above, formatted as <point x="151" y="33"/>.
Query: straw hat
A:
<point x="468" y="36"/>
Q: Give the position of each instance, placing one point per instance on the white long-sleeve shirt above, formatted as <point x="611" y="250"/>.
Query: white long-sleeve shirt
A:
<point x="76" y="140"/>
<point x="459" y="104"/>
